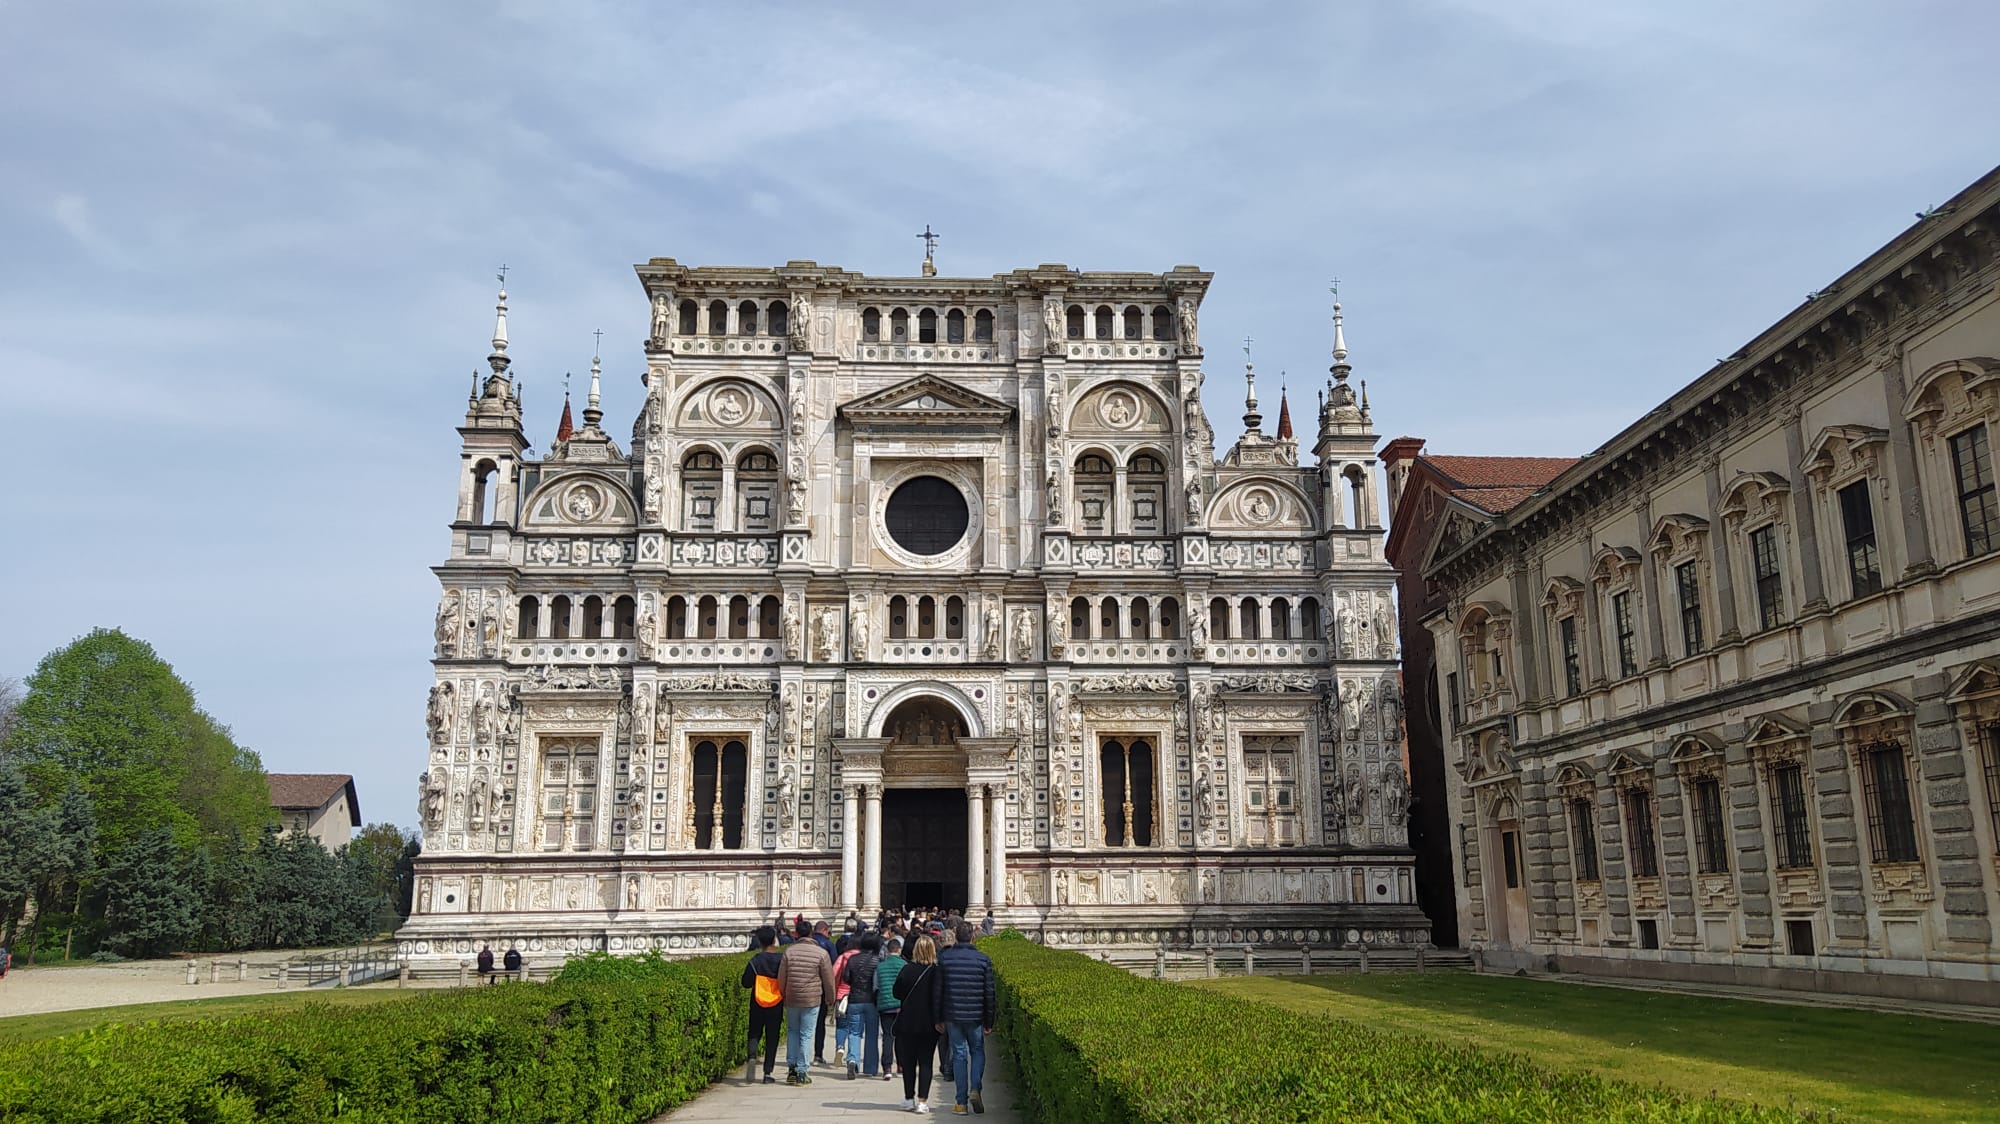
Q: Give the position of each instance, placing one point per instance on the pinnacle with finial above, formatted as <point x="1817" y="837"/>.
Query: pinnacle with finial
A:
<point x="498" y="359"/>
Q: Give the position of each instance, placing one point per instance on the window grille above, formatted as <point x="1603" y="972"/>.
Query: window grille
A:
<point x="1639" y="814"/>
<point x="1583" y="832"/>
<point x="1688" y="578"/>
<point x="1770" y="578"/>
<point x="1892" y="829"/>
<point x="1572" y="658"/>
<point x="1789" y="816"/>
<point x="1621" y="616"/>
<point x="1711" y="837"/>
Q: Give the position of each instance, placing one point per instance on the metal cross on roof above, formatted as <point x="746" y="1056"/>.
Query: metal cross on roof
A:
<point x="930" y="241"/>
<point x="599" y="333"/>
<point x="503" y="274"/>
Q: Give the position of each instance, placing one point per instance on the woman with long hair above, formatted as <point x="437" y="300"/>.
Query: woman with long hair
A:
<point x="916" y="1029"/>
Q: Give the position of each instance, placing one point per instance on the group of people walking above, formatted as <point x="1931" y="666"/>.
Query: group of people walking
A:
<point x="902" y="994"/>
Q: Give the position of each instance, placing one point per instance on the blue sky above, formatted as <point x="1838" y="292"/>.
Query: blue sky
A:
<point x="249" y="248"/>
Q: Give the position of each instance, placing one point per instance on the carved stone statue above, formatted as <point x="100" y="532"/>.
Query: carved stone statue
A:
<point x="793" y="630"/>
<point x="1395" y="793"/>
<point x="1194" y="503"/>
<point x="635" y="821"/>
<point x="826" y="634"/>
<point x="489" y="629"/>
<point x="857" y="631"/>
<point x="441" y="713"/>
<point x="1357" y="796"/>
<point x="1058" y="798"/>
<point x="1185" y="314"/>
<point x="1385" y="630"/>
<point x="476" y="807"/>
<point x="800" y="327"/>
<point x="1052" y="326"/>
<point x="1197" y="628"/>
<point x="654" y="486"/>
<point x="1058" y="637"/>
<point x="1055" y="500"/>
<point x="787" y="793"/>
<point x="1024" y="634"/>
<point x="1392" y="713"/>
<point x="662" y="320"/>
<point x="795" y="502"/>
<point x="994" y="636"/>
<point x="446" y="632"/>
<point x="646" y="629"/>
<point x="1204" y="800"/>
<point x="433" y="797"/>
<point x="632" y="892"/>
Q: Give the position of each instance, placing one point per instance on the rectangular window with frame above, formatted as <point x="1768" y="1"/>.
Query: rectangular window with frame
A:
<point x="1711" y="837"/>
<point x="1990" y="734"/>
<point x="1628" y="638"/>
<point x="1857" y="518"/>
<point x="1510" y="844"/>
<point x="1639" y="825"/>
<point x="1572" y="658"/>
<point x="1583" y="839"/>
<point x="1892" y="827"/>
<point x="1790" y="820"/>
<point x="1972" y="473"/>
<point x="1687" y="578"/>
<point x="1451" y="696"/>
<point x="1770" y="576"/>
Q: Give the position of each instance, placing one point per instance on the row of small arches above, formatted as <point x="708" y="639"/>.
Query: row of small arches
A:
<point x="1107" y="323"/>
<point x="745" y="319"/>
<point x="1247" y="618"/>
<point x="1125" y="618"/>
<point x="897" y="324"/>
<point x="577" y="619"/>
<point x="1264" y="618"/>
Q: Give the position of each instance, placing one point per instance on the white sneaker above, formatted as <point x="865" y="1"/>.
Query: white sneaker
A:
<point x="909" y="1104"/>
<point x="923" y="1108"/>
<point x="839" y="1056"/>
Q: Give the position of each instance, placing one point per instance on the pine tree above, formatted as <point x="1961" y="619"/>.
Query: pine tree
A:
<point x="29" y="839"/>
<point x="149" y="905"/>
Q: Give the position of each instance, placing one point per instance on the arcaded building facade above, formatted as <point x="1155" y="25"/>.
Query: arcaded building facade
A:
<point x="1722" y="700"/>
<point x="918" y="590"/>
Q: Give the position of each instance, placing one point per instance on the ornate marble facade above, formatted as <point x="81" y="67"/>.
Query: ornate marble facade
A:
<point x="890" y="555"/>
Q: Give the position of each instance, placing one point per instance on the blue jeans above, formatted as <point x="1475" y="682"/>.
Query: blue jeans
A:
<point x="862" y="1022"/>
<point x="799" y="1022"/>
<point x="968" y="1056"/>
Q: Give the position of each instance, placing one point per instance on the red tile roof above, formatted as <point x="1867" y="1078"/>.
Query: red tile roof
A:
<point x="1496" y="484"/>
<point x="305" y="790"/>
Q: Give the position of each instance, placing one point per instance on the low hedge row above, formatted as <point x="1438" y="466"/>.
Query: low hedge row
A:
<point x="602" y="1042"/>
<point x="1093" y="1044"/>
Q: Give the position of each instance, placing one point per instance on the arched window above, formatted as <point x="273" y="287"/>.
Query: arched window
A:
<point x="982" y="327"/>
<point x="1309" y="622"/>
<point x="954" y="326"/>
<point x="777" y="319"/>
<point x="746" y="318"/>
<point x="1126" y="770"/>
<point x="1092" y="483"/>
<point x="690" y="318"/>
<point x="1135" y="322"/>
<point x="739" y="617"/>
<point x="899" y="326"/>
<point x="483" y="488"/>
<point x="593" y="617"/>
<point x="1247" y="616"/>
<point x="756" y="491"/>
<point x="1218" y="619"/>
<point x="1103" y="322"/>
<point x="530" y="619"/>
<point x="1163" y="323"/>
<point x="624" y="619"/>
<point x="927" y="326"/>
<point x="1281" y="619"/>
<point x="1357" y="490"/>
<point x="701" y="490"/>
<point x="559" y="622"/>
<point x="1107" y="618"/>
<point x="720" y="776"/>
<point x="1146" y="491"/>
<point x="706" y="613"/>
<point x="767" y="618"/>
<point x="1075" y="322"/>
<point x="871" y="324"/>
<point x="899" y="618"/>
<point x="954" y="618"/>
<point x="926" y="618"/>
<point x="1170" y="618"/>
<point x="1079" y="618"/>
<point x="677" y="617"/>
<point x="718" y="318"/>
<point x="1140" y="616"/>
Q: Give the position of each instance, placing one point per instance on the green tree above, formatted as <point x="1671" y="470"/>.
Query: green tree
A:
<point x="223" y="786"/>
<point x="304" y="895"/>
<point x="29" y="838"/>
<point x="149" y="904"/>
<point x="372" y="858"/>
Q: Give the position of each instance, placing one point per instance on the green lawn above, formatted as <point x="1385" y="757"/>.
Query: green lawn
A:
<point x="27" y="1028"/>
<point x="1857" y="1065"/>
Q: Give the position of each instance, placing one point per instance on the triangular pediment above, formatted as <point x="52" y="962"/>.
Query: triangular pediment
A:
<point x="926" y="400"/>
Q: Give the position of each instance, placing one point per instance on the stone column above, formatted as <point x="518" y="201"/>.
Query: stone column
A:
<point x="871" y="855"/>
<point x="975" y="845"/>
<point x="996" y="865"/>
<point x="850" y="841"/>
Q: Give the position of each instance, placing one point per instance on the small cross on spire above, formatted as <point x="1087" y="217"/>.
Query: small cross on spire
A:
<point x="502" y="274"/>
<point x="599" y="333"/>
<point x="930" y="248"/>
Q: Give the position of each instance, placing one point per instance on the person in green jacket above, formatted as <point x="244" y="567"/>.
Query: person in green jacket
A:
<point x="886" y="1001"/>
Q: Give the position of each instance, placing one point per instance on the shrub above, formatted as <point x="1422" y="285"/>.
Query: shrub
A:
<point x="607" y="1044"/>
<point x="1094" y="1044"/>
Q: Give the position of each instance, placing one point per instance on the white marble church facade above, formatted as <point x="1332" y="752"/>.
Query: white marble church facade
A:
<point x="914" y="590"/>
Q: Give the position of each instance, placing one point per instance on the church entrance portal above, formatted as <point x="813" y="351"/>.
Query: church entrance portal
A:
<point x="923" y="847"/>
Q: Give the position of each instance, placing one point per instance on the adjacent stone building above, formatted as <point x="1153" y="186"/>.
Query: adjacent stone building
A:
<point x="914" y="590"/>
<point x="322" y="805"/>
<point x="1722" y="700"/>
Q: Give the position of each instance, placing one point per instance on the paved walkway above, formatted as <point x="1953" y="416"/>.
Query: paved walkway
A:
<point x="831" y="1095"/>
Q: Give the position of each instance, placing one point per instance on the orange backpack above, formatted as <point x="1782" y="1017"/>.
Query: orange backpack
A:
<point x="768" y="993"/>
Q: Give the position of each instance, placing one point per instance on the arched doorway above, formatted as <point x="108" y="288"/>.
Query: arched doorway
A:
<point x="924" y="857"/>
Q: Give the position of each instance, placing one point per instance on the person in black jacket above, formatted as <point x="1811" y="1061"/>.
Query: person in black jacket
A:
<point x="765" y="1022"/>
<point x="964" y="1009"/>
<point x="916" y="1033"/>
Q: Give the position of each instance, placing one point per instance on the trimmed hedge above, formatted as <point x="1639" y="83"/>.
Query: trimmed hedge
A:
<point x="1093" y="1044"/>
<point x="611" y="1043"/>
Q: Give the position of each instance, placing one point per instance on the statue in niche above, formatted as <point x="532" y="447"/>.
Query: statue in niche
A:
<point x="457" y="811"/>
<point x="642" y="715"/>
<point x="787" y="793"/>
<point x="1063" y="878"/>
<point x="1204" y="800"/>
<point x="1057" y="634"/>
<point x="793" y="631"/>
<point x="663" y="719"/>
<point x="496" y="800"/>
<point x="624" y="719"/>
<point x="635" y="823"/>
<point x="1385" y="630"/>
<point x="1055" y="501"/>
<point x="446" y="631"/>
<point x="826" y="635"/>
<point x="1055" y="411"/>
<point x="1052" y="326"/>
<point x="477" y="805"/>
<point x="1395" y="793"/>
<point x="654" y="488"/>
<point x="857" y="631"/>
<point x="1197" y="630"/>
<point x="645" y="629"/>
<point x="489" y="629"/>
<point x="795" y="502"/>
<point x="662" y="321"/>
<point x="771" y="713"/>
<point x="1350" y="707"/>
<point x="1194" y="503"/>
<point x="1357" y="796"/>
<point x="1184" y="313"/>
<point x="784" y="888"/>
<point x="1058" y="799"/>
<point x="632" y="892"/>
<point x="424" y="896"/>
<point x="1024" y="634"/>
<point x="430" y="790"/>
<point x="800" y="330"/>
<point x="483" y="716"/>
<point x="990" y="627"/>
<point x="1392" y="713"/>
<point x="510" y="719"/>
<point x="440" y="712"/>
<point x="1208" y="886"/>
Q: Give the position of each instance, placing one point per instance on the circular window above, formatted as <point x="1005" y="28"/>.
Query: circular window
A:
<point x="927" y="516"/>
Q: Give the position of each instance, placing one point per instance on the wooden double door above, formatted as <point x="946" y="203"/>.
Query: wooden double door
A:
<point x="923" y="847"/>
